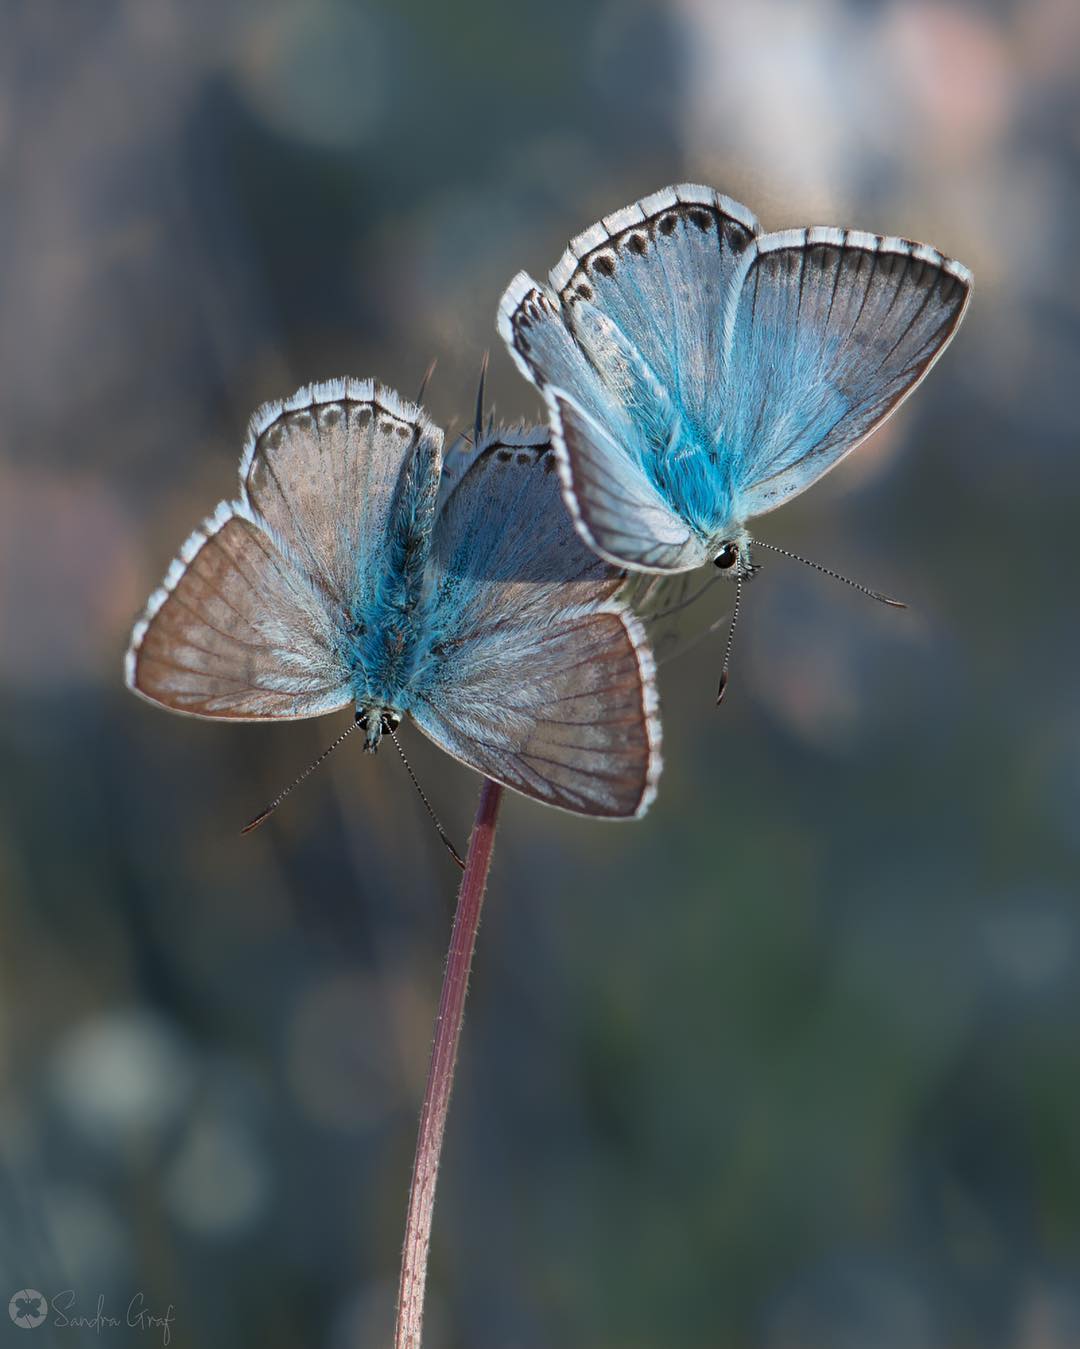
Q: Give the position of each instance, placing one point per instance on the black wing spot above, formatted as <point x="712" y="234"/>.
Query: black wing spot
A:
<point x="702" y="219"/>
<point x="638" y="243"/>
<point x="668" y="223"/>
<point x="604" y="264"/>
<point x="504" y="456"/>
<point x="584" y="291"/>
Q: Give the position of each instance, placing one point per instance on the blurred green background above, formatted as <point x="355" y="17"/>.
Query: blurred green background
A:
<point x="795" y="1063"/>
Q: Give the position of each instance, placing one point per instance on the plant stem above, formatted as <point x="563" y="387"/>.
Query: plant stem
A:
<point x="440" y="1080"/>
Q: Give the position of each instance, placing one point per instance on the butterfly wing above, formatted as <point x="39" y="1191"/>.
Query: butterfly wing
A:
<point x="626" y="344"/>
<point x="337" y="496"/>
<point x="536" y="678"/>
<point x="616" y="509"/>
<point x="831" y="331"/>
<point x="665" y="272"/>
<point x="324" y="471"/>
<point x="237" y="630"/>
<point x="532" y="324"/>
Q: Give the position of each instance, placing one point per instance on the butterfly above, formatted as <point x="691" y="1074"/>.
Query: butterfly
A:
<point x="698" y="373"/>
<point x="352" y="571"/>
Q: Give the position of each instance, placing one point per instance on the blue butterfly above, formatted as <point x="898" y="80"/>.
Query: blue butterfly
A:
<point x="353" y="571"/>
<point x="698" y="373"/>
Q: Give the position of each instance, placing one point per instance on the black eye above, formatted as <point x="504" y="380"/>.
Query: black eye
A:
<point x="726" y="557"/>
<point x="390" y="721"/>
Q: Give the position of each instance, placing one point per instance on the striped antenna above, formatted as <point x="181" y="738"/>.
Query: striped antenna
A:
<point x="427" y="804"/>
<point x="265" y="814"/>
<point x="478" y="425"/>
<point x="828" y="571"/>
<point x="730" y="641"/>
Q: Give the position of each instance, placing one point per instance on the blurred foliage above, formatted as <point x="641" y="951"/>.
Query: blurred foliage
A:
<point x="792" y="1064"/>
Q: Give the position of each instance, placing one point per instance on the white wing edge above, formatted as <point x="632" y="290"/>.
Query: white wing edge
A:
<point x="213" y="524"/>
<point x="566" y="480"/>
<point x="869" y="243"/>
<point x="650" y="704"/>
<point x="679" y="194"/>
<point x="509" y="304"/>
<point x="331" y="391"/>
<point x="562" y="465"/>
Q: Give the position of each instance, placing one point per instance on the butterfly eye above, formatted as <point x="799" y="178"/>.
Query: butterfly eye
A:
<point x="390" y="721"/>
<point x="726" y="557"/>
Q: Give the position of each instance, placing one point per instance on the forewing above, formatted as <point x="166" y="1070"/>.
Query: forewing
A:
<point x="504" y="542"/>
<point x="615" y="507"/>
<point x="833" y="329"/>
<point x="664" y="274"/>
<point x="534" y="679"/>
<point x="665" y="270"/>
<point x="325" y="470"/>
<point x="468" y="448"/>
<point x="237" y="630"/>
<point x="532" y="324"/>
<point x="627" y="347"/>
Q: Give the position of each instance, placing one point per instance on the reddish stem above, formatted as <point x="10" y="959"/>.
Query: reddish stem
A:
<point x="440" y="1081"/>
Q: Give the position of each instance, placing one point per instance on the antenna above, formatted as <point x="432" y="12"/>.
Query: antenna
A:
<point x="730" y="641"/>
<point x="427" y="376"/>
<point x="827" y="571"/>
<point x="264" y="814"/>
<point x="427" y="804"/>
<point x="478" y="425"/>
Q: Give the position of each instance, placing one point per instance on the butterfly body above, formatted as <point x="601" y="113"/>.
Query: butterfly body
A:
<point x="355" y="569"/>
<point x="699" y="372"/>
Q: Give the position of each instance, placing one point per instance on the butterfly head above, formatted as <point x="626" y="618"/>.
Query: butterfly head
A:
<point x="732" y="557"/>
<point x="376" y="722"/>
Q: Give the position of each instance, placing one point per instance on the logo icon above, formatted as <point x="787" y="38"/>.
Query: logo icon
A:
<point x="28" y="1308"/>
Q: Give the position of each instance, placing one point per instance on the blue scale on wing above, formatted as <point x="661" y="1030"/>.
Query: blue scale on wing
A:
<point x="615" y="505"/>
<point x="532" y="676"/>
<point x="665" y="275"/>
<point x="392" y="602"/>
<point x="653" y="418"/>
<point x="832" y="330"/>
<point x="664" y="442"/>
<point x="260" y="616"/>
<point x="746" y="365"/>
<point x="344" y="574"/>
